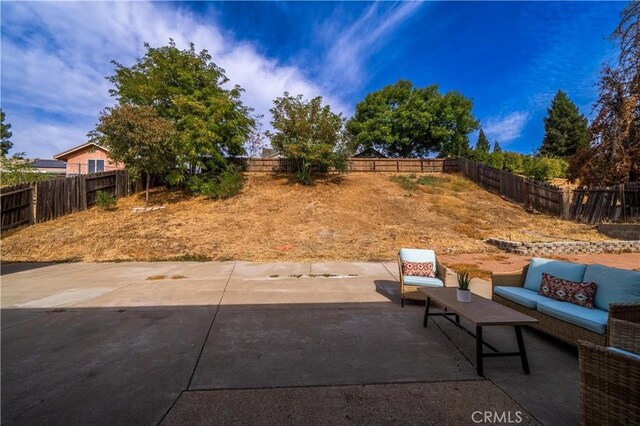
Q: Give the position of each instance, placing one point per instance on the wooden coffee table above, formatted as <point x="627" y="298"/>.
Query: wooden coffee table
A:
<point x="480" y="313"/>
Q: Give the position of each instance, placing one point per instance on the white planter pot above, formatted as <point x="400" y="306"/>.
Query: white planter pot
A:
<point x="463" y="295"/>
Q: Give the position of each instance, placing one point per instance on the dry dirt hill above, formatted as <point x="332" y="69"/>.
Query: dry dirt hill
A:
<point x="355" y="217"/>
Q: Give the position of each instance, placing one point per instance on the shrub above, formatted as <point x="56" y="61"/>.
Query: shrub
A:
<point x="223" y="185"/>
<point x="105" y="201"/>
<point x="543" y="168"/>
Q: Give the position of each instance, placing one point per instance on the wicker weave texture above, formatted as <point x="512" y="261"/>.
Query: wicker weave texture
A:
<point x="413" y="292"/>
<point x="609" y="387"/>
<point x="509" y="279"/>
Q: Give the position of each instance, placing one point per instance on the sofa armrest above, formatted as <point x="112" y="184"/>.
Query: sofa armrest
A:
<point x="441" y="271"/>
<point x="509" y="279"/>
<point x="625" y="311"/>
<point x="624" y="335"/>
<point x="400" y="269"/>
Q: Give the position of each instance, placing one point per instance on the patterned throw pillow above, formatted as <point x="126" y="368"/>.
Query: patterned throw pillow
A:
<point x="580" y="294"/>
<point x="418" y="269"/>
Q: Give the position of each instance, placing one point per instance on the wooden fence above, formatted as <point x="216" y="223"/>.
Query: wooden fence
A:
<point x="533" y="194"/>
<point x="16" y="205"/>
<point x="50" y="199"/>
<point x="617" y="203"/>
<point x="397" y="165"/>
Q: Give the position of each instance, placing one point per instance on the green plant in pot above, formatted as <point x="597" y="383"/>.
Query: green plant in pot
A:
<point x="463" y="293"/>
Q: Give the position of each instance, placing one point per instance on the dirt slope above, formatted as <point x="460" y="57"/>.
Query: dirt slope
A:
<point x="358" y="217"/>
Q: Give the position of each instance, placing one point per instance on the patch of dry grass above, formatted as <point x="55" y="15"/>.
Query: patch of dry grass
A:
<point x="362" y="216"/>
<point x="473" y="270"/>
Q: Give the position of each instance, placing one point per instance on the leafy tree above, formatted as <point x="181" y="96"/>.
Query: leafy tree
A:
<point x="308" y="133"/>
<point x="256" y="140"/>
<point x="406" y="121"/>
<point x="483" y="143"/>
<point x="565" y="128"/>
<point x="496" y="147"/>
<point x="614" y="154"/>
<point x="186" y="88"/>
<point x="5" y="135"/>
<point x="16" y="169"/>
<point x="138" y="137"/>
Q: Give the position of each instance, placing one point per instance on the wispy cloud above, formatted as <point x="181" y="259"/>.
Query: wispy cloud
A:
<point x="55" y="57"/>
<point x="507" y="128"/>
<point x="353" y="43"/>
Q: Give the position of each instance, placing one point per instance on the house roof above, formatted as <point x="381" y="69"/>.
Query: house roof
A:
<point x="49" y="164"/>
<point x="64" y="154"/>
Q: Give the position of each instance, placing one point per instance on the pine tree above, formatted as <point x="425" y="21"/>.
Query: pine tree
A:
<point x="5" y="135"/>
<point x="496" y="147"/>
<point x="483" y="143"/>
<point x="565" y="128"/>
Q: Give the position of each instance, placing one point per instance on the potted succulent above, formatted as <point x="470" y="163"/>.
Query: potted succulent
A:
<point x="463" y="293"/>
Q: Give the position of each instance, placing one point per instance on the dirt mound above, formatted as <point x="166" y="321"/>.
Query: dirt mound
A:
<point x="366" y="216"/>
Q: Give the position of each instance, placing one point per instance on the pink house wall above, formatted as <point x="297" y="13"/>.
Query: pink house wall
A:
<point x="78" y="162"/>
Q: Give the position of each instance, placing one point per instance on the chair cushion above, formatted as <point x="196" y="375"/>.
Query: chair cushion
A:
<point x="623" y="352"/>
<point x="615" y="285"/>
<point x="591" y="319"/>
<point x="418" y="255"/>
<point x="418" y="269"/>
<point x="522" y="296"/>
<point x="580" y="294"/>
<point x="423" y="281"/>
<point x="563" y="270"/>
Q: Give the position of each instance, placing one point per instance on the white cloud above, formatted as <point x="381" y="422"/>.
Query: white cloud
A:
<point x="55" y="56"/>
<point x="506" y="128"/>
<point x="352" y="45"/>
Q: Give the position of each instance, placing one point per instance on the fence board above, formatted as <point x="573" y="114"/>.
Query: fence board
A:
<point x="16" y="205"/>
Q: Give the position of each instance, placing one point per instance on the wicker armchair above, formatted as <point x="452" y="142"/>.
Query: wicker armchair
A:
<point x="412" y="291"/>
<point x="610" y="380"/>
<point x="567" y="332"/>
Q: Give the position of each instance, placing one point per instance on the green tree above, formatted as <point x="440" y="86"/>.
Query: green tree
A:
<point x="308" y="133"/>
<point x="405" y="121"/>
<point x="483" y="143"/>
<point x="614" y="154"/>
<point x="5" y="135"/>
<point x="186" y="88"/>
<point x="565" y="128"/>
<point x="496" y="147"/>
<point x="138" y="137"/>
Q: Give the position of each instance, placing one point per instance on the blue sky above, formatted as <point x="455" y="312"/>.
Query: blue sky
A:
<point x="509" y="57"/>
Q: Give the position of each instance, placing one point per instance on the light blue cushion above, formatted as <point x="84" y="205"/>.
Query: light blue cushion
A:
<point x="419" y="255"/>
<point x="592" y="319"/>
<point x="423" y="281"/>
<point x="623" y="352"/>
<point x="523" y="296"/>
<point x="614" y="285"/>
<point x="559" y="269"/>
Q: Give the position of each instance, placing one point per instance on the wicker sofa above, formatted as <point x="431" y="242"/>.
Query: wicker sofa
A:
<point x="617" y="295"/>
<point x="610" y="376"/>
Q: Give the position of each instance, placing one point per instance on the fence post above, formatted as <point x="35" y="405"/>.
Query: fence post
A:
<point x="525" y="192"/>
<point x="566" y="203"/>
<point x="31" y="205"/>
<point x="398" y="166"/>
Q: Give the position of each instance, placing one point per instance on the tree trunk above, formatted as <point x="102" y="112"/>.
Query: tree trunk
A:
<point x="146" y="196"/>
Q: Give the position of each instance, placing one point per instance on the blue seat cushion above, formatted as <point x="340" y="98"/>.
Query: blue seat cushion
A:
<point x="591" y="319"/>
<point x="423" y="281"/>
<point x="623" y="352"/>
<point x="418" y="255"/>
<point x="520" y="295"/>
<point x="614" y="285"/>
<point x="559" y="269"/>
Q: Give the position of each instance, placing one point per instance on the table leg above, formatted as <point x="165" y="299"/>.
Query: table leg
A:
<point x="521" y="349"/>
<point x="426" y="312"/>
<point x="479" y="350"/>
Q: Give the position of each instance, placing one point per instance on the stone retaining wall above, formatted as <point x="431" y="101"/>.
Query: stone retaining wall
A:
<point x="566" y="247"/>
<point x="621" y="231"/>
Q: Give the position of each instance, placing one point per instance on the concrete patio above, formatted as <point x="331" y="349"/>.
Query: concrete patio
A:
<point x="238" y="342"/>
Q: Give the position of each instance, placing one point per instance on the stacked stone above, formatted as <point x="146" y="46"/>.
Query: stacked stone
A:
<point x="566" y="247"/>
